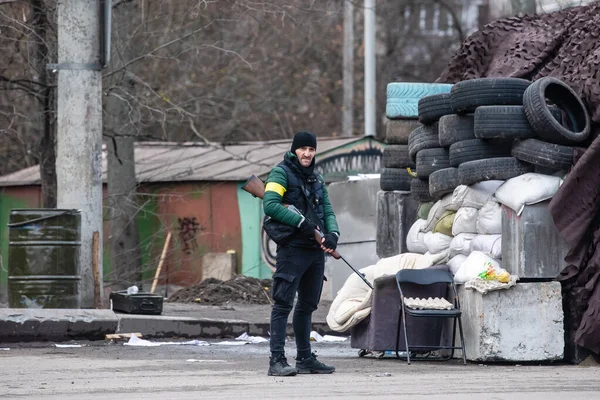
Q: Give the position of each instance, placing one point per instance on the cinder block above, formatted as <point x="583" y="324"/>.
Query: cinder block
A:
<point x="532" y="247"/>
<point x="396" y="212"/>
<point x="219" y="265"/>
<point x="523" y="323"/>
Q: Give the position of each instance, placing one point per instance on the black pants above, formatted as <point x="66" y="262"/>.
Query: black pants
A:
<point x="297" y="270"/>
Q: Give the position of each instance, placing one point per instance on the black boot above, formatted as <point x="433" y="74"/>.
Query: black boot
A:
<point x="278" y="366"/>
<point x="310" y="365"/>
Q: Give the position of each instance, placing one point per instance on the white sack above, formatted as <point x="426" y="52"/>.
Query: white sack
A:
<point x="476" y="263"/>
<point x="456" y="262"/>
<point x="489" y="221"/>
<point x="488" y="244"/>
<point x="461" y="244"/>
<point x="415" y="239"/>
<point x="437" y="242"/>
<point x="475" y="195"/>
<point x="465" y="221"/>
<point x="438" y="209"/>
<point x="527" y="189"/>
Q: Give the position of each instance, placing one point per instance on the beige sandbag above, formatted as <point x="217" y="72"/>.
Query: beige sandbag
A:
<point x="444" y="224"/>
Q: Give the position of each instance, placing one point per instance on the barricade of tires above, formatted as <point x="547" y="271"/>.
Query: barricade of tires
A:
<point x="494" y="128"/>
<point x="470" y="141"/>
<point x="401" y="119"/>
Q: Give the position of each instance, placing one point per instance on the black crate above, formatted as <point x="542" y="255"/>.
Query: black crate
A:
<point x="139" y="303"/>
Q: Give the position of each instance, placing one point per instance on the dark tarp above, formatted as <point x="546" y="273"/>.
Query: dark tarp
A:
<point x="565" y="45"/>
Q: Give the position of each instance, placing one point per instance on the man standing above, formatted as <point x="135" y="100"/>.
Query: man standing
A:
<point x="301" y="262"/>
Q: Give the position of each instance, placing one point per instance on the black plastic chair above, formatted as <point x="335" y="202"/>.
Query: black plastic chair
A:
<point x="426" y="277"/>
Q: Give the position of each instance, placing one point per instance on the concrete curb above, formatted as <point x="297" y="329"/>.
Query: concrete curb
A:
<point x="29" y="325"/>
<point x="26" y="325"/>
<point x="151" y="326"/>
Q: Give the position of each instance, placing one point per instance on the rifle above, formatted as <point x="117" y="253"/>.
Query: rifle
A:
<point x="256" y="188"/>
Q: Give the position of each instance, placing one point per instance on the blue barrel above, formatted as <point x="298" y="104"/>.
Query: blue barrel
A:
<point x="43" y="258"/>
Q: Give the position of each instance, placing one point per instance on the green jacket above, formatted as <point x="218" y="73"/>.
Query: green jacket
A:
<point x="275" y="188"/>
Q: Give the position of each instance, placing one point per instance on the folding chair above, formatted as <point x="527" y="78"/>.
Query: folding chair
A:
<point x="426" y="277"/>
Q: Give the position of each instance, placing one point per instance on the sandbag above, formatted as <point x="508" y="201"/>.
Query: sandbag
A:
<point x="438" y="209"/>
<point x="456" y="262"/>
<point x="415" y="239"/>
<point x="444" y="224"/>
<point x="475" y="195"/>
<point x="488" y="244"/>
<point x="437" y="242"/>
<point x="423" y="211"/>
<point x="438" y="258"/>
<point x="489" y="221"/>
<point x="461" y="244"/>
<point x="465" y="221"/>
<point x="526" y="189"/>
<point x="476" y="263"/>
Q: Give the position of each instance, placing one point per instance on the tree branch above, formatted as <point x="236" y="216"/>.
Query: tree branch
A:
<point x="456" y="22"/>
<point x="162" y="46"/>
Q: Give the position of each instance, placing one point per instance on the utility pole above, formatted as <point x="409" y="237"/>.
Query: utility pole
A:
<point x="370" y="99"/>
<point x="79" y="129"/>
<point x="348" y="114"/>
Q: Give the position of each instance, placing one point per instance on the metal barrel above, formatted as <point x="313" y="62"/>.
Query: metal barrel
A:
<point x="43" y="258"/>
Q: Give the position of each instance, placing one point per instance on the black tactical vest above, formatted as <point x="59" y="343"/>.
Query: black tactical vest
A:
<point x="306" y="194"/>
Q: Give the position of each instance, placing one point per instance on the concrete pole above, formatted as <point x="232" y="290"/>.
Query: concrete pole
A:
<point x="79" y="128"/>
<point x="370" y="99"/>
<point x="348" y="114"/>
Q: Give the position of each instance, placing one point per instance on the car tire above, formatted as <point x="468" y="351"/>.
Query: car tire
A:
<point x="467" y="95"/>
<point x="501" y="168"/>
<point x="576" y="127"/>
<point x="543" y="154"/>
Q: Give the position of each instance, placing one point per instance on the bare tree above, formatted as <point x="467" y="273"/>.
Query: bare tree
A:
<point x="28" y="38"/>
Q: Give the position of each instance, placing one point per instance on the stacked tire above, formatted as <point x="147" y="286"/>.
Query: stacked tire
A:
<point x="402" y="113"/>
<point x="429" y="156"/>
<point x="495" y="129"/>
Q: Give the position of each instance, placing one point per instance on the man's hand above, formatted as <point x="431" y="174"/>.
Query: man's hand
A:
<point x="329" y="242"/>
<point x="307" y="229"/>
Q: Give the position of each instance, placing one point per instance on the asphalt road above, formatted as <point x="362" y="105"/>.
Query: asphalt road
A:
<point x="113" y="371"/>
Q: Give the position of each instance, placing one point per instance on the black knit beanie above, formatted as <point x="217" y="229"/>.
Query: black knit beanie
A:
<point x="302" y="139"/>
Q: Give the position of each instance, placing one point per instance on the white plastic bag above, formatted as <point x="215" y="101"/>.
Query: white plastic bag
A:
<point x="475" y="195"/>
<point x="461" y="244"/>
<point x="488" y="244"/>
<point x="456" y="262"/>
<point x="465" y="221"/>
<point x="437" y="242"/>
<point x="476" y="263"/>
<point x="526" y="189"/>
<point x="415" y="239"/>
<point x="489" y="221"/>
